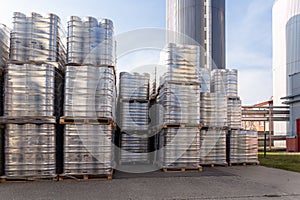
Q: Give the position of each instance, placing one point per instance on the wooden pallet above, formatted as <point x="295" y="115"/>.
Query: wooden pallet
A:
<point x="36" y="62"/>
<point x="183" y="83"/>
<point x="72" y="121"/>
<point x="89" y="64"/>
<point x="27" y="179"/>
<point x="233" y="98"/>
<point x="170" y="125"/>
<point x="134" y="163"/>
<point x="182" y="169"/>
<point x="204" y="127"/>
<point x="27" y="120"/>
<point x="243" y="164"/>
<point x="214" y="165"/>
<point x="134" y="100"/>
<point x="85" y="177"/>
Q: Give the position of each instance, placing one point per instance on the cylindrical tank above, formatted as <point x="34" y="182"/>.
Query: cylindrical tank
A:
<point x="200" y="22"/>
<point x="285" y="51"/>
<point x="218" y="53"/>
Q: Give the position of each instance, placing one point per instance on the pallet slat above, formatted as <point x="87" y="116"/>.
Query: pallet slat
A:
<point x="170" y="125"/>
<point x="27" y="179"/>
<point x="85" y="177"/>
<point x="243" y="164"/>
<point x="27" y="120"/>
<point x="72" y="121"/>
<point x="182" y="169"/>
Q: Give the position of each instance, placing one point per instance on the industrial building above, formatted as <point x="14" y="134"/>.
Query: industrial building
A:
<point x="79" y="124"/>
<point x="286" y="45"/>
<point x="199" y="22"/>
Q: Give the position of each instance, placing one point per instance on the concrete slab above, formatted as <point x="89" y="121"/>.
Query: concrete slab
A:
<point x="239" y="183"/>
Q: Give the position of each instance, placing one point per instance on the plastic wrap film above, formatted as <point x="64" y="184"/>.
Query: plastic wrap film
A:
<point x="213" y="110"/>
<point x="182" y="62"/>
<point x="152" y="88"/>
<point x="243" y="146"/>
<point x="1" y="152"/>
<point x="32" y="90"/>
<point x="88" y="149"/>
<point x="180" y="104"/>
<point x="30" y="150"/>
<point x="224" y="81"/>
<point x="91" y="42"/>
<point x="213" y="147"/>
<point x="89" y="92"/>
<point x="134" y="86"/>
<point x="133" y="116"/>
<point x="134" y="148"/>
<point x="179" y="147"/>
<point x="1" y="94"/>
<point x="205" y="79"/>
<point x="37" y="38"/>
<point x="234" y="113"/>
<point x="4" y="45"/>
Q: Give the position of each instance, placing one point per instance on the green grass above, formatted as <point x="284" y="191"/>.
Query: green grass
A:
<point x="280" y="160"/>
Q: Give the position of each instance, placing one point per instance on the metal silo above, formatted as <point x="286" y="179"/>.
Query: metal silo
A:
<point x="200" y="22"/>
<point x="285" y="52"/>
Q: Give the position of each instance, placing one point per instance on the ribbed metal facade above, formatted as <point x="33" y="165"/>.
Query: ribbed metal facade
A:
<point x="293" y="70"/>
<point x="199" y="22"/>
<point x="285" y="52"/>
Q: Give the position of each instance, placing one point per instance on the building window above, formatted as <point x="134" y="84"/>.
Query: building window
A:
<point x="261" y="123"/>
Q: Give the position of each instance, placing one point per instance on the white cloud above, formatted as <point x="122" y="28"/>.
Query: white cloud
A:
<point x="255" y="86"/>
<point x="249" y="48"/>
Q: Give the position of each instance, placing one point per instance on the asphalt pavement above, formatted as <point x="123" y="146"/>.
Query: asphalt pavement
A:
<point x="238" y="183"/>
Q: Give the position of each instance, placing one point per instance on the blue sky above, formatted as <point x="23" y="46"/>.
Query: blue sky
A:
<point x="249" y="36"/>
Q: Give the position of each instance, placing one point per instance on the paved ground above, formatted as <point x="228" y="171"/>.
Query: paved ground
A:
<point x="238" y="183"/>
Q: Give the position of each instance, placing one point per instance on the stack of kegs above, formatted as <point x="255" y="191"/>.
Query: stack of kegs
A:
<point x="213" y="146"/>
<point x="224" y="81"/>
<point x="37" y="38"/>
<point x="133" y="118"/>
<point x="4" y="45"/>
<point x="89" y="101"/>
<point x="220" y="112"/>
<point x="243" y="147"/>
<point x="33" y="91"/>
<point x="4" y="56"/>
<point x="179" y="113"/>
<point x="91" y="41"/>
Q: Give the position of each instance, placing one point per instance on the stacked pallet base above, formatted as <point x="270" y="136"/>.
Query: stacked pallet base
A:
<point x="30" y="149"/>
<point x="179" y="114"/>
<point x="89" y="123"/>
<point x="243" y="147"/>
<point x="213" y="147"/>
<point x="133" y="119"/>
